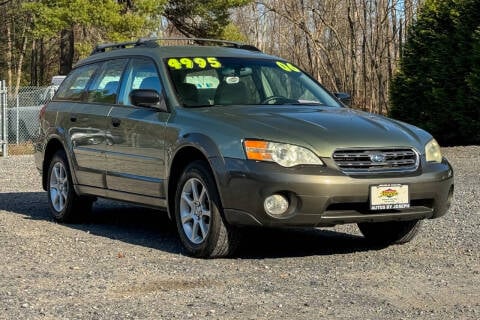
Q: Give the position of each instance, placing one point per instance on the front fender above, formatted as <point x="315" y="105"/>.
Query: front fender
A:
<point x="209" y="149"/>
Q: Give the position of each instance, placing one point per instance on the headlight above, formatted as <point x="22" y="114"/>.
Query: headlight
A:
<point x="432" y="151"/>
<point x="286" y="155"/>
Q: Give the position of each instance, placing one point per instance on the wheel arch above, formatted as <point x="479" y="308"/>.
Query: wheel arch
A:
<point x="53" y="145"/>
<point x="197" y="147"/>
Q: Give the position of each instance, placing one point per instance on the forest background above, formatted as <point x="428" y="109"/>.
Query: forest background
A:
<point x="415" y="60"/>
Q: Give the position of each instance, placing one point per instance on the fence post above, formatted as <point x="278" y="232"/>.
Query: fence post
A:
<point x="3" y="109"/>
<point x="17" y="118"/>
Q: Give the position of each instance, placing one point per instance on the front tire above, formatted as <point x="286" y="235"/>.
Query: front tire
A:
<point x="199" y="217"/>
<point x="392" y="232"/>
<point x="65" y="204"/>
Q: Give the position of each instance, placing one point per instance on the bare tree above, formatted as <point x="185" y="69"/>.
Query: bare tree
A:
<point x="352" y="46"/>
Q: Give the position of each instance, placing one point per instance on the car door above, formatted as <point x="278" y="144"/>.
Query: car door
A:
<point x="89" y="122"/>
<point x="136" y="137"/>
<point x="77" y="121"/>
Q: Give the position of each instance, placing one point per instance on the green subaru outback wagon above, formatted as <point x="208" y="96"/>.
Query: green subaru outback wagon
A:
<point x="224" y="136"/>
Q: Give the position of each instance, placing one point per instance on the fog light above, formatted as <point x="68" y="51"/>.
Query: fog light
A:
<point x="276" y="205"/>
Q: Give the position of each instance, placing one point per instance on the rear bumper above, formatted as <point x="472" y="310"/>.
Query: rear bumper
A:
<point x="325" y="196"/>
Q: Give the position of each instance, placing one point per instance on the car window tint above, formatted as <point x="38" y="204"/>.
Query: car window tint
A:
<point x="200" y="87"/>
<point x="203" y="79"/>
<point x="105" y="86"/>
<point x="74" y="85"/>
<point x="243" y="81"/>
<point x="253" y="96"/>
<point x="141" y="74"/>
<point x="197" y="87"/>
<point x="243" y="90"/>
<point x="284" y="85"/>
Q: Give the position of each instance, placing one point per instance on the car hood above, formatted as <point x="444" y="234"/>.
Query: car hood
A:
<point x="322" y="129"/>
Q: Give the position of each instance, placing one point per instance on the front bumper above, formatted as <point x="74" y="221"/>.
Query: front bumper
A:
<point x="322" y="196"/>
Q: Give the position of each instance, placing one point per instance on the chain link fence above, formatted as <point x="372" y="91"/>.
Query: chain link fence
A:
<point x="3" y="116"/>
<point x="19" y="116"/>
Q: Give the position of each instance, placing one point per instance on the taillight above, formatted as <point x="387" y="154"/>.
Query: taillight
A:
<point x="41" y="115"/>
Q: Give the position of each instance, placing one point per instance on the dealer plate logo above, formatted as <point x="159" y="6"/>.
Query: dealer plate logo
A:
<point x="389" y="196"/>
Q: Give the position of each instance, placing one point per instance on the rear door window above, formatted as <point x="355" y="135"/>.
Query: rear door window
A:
<point x="73" y="87"/>
<point x="104" y="88"/>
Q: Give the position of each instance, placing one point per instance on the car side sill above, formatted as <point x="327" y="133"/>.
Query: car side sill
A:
<point x="155" y="202"/>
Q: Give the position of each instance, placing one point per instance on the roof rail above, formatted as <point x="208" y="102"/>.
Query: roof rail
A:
<point x="202" y="41"/>
<point x="152" y="42"/>
<point x="120" y="45"/>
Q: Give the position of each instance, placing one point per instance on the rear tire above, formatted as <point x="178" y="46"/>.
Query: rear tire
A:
<point x="199" y="215"/>
<point x="65" y="204"/>
<point x="393" y="232"/>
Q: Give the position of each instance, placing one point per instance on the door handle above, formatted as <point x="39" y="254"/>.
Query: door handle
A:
<point x="116" y="122"/>
<point x="73" y="117"/>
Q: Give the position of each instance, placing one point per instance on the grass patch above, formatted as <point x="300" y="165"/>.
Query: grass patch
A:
<point x="20" y="149"/>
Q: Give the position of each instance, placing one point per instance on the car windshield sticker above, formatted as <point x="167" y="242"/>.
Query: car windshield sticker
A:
<point x="232" y="80"/>
<point x="287" y="66"/>
<point x="191" y="63"/>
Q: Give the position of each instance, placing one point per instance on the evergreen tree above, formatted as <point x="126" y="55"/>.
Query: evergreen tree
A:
<point x="96" y="21"/>
<point x="82" y="23"/>
<point x="202" y="18"/>
<point x="437" y="86"/>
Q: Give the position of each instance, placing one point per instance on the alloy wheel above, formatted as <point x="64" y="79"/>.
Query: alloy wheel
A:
<point x="195" y="213"/>
<point x="59" y="187"/>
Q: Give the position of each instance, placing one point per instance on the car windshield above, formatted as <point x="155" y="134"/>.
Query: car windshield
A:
<point x="214" y="81"/>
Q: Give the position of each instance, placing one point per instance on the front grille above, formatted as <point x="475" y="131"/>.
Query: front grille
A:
<point x="376" y="160"/>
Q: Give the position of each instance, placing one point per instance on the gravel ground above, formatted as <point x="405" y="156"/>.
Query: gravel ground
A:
<point x="126" y="262"/>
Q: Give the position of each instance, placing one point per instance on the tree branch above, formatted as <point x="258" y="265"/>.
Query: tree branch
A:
<point x="5" y="2"/>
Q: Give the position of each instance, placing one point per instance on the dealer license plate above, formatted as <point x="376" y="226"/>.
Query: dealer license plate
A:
<point x="389" y="196"/>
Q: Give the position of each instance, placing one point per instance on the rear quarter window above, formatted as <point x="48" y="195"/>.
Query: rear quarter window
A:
<point x="73" y="87"/>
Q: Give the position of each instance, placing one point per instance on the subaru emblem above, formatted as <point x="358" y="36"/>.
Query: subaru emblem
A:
<point x="377" y="157"/>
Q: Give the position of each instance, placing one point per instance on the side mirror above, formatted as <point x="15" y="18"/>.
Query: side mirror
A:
<point x="147" y="98"/>
<point x="344" y="97"/>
